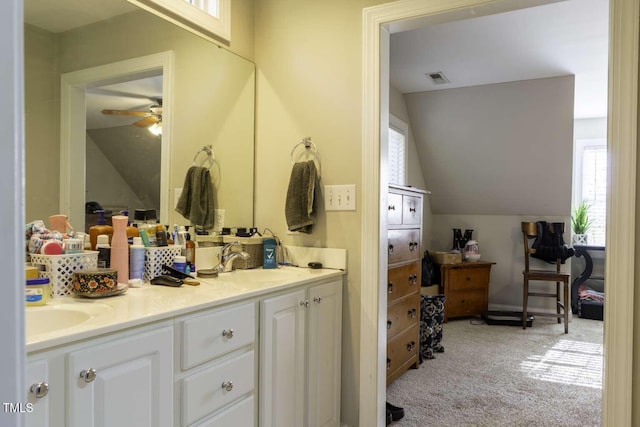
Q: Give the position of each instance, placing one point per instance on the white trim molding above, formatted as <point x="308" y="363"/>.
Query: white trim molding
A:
<point x="621" y="235"/>
<point x="192" y="18"/>
<point x="73" y="88"/>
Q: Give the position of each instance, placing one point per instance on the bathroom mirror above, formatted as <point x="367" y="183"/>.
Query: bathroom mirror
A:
<point x="210" y="103"/>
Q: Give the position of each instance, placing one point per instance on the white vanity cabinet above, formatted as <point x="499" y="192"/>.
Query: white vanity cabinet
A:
<point x="218" y="367"/>
<point x="125" y="381"/>
<point x="45" y="392"/>
<point x="300" y="357"/>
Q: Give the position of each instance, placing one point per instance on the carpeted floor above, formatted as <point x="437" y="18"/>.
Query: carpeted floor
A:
<point x="493" y="376"/>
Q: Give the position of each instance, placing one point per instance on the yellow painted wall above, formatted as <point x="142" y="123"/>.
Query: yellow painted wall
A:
<point x="309" y="83"/>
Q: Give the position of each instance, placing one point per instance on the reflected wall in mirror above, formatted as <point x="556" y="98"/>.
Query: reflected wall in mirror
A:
<point x="212" y="104"/>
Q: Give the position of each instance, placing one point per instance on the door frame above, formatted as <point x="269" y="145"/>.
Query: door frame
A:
<point x="378" y="22"/>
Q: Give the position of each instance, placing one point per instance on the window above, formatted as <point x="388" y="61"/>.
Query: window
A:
<point x="209" y="6"/>
<point x="398" y="131"/>
<point x="591" y="184"/>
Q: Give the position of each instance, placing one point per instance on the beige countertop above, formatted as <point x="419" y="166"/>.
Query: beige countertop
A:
<point x="68" y="319"/>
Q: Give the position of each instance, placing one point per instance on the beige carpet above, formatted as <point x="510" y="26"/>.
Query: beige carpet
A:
<point x="494" y="376"/>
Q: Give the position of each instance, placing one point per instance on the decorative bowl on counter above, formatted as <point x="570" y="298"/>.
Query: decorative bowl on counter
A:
<point x="98" y="281"/>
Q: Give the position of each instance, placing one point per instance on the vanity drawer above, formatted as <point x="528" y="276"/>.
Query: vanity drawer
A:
<point x="208" y="336"/>
<point x="204" y="392"/>
<point x="240" y="414"/>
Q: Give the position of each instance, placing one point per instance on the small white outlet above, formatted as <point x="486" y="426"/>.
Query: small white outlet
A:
<point x="340" y="197"/>
<point x="218" y="221"/>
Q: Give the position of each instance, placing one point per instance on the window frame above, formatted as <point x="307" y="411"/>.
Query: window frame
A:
<point x="580" y="144"/>
<point x="192" y="17"/>
<point x="400" y="126"/>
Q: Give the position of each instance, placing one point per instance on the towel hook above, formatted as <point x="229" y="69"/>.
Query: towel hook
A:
<point x="307" y="144"/>
<point x="210" y="156"/>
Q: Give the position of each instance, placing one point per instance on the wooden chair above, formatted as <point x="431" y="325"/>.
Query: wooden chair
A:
<point x="529" y="231"/>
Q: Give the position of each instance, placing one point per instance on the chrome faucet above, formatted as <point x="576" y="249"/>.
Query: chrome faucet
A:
<point x="228" y="257"/>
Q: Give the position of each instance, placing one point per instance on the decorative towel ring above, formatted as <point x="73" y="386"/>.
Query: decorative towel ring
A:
<point x="210" y="156"/>
<point x="308" y="144"/>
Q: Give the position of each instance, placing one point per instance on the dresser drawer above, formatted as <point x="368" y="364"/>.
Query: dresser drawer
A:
<point x="394" y="209"/>
<point x="461" y="304"/>
<point x="468" y="278"/>
<point x="203" y="392"/>
<point x="210" y="335"/>
<point x="411" y="210"/>
<point x="402" y="349"/>
<point x="403" y="314"/>
<point x="403" y="280"/>
<point x="404" y="245"/>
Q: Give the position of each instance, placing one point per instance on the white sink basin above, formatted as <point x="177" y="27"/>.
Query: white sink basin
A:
<point x="50" y="318"/>
<point x="257" y="277"/>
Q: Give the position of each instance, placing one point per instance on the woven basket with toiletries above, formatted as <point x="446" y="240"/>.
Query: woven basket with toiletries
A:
<point x="156" y="257"/>
<point x="60" y="268"/>
<point x="251" y="245"/>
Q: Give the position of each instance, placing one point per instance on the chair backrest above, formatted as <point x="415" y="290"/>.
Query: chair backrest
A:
<point x="530" y="231"/>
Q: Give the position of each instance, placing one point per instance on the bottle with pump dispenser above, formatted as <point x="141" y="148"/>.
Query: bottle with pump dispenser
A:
<point x="100" y="228"/>
<point x="104" y="251"/>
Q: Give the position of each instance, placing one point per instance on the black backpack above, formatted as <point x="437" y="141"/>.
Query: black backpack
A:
<point x="428" y="270"/>
<point x="549" y="243"/>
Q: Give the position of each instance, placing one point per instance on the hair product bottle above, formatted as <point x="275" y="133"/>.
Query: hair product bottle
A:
<point x="120" y="248"/>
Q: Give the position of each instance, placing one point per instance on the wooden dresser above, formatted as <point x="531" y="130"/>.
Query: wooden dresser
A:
<point x="466" y="288"/>
<point x="404" y="219"/>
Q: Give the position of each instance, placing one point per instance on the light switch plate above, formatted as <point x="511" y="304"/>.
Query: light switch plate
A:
<point x="340" y="197"/>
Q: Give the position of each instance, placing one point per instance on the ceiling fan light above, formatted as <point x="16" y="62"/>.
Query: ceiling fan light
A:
<point x="156" y="129"/>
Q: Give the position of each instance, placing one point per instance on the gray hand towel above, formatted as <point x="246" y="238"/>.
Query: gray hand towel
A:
<point x="196" y="203"/>
<point x="299" y="204"/>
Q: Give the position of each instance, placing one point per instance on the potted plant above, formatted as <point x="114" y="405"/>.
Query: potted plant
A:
<point x="580" y="223"/>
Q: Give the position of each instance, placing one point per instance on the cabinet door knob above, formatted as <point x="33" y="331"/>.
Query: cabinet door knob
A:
<point x="317" y="300"/>
<point x="88" y="375"/>
<point x="227" y="333"/>
<point x="39" y="390"/>
<point x="304" y="303"/>
<point x="227" y="385"/>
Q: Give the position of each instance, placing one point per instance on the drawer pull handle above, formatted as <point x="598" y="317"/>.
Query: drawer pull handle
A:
<point x="390" y="249"/>
<point x="304" y="303"/>
<point x="39" y="390"/>
<point x="412" y="313"/>
<point x="413" y="279"/>
<point x="389" y="322"/>
<point x="390" y="288"/>
<point x="227" y="385"/>
<point x="411" y="345"/>
<point x="228" y="333"/>
<point x="412" y="210"/>
<point x="392" y="207"/>
<point x="388" y="363"/>
<point x="413" y="246"/>
<point x="88" y="375"/>
<point x="317" y="300"/>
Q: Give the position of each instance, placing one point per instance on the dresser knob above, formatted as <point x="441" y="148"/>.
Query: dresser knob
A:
<point x="39" y="390"/>
<point x="390" y="288"/>
<point x="411" y="346"/>
<point x="390" y="249"/>
<point x="413" y="210"/>
<point x="388" y="363"/>
<point x="389" y="322"/>
<point x="392" y="207"/>
<point x="227" y="333"/>
<point x="227" y="385"/>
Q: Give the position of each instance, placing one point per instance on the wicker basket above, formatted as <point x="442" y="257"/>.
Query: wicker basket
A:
<point x="250" y="245"/>
<point x="446" y="257"/>
<point x="60" y="268"/>
<point x="156" y="257"/>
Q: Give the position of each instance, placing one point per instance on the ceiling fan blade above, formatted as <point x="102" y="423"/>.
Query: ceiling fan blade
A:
<point x="127" y="113"/>
<point x="148" y="121"/>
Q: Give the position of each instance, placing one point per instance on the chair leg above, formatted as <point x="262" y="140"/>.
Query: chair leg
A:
<point x="525" y="296"/>
<point x="558" y="300"/>
<point x="566" y="306"/>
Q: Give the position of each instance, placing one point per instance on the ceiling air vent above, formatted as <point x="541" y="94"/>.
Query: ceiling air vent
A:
<point x="438" y="78"/>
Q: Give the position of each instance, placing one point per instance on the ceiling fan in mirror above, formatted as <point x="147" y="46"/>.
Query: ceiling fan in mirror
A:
<point x="152" y="119"/>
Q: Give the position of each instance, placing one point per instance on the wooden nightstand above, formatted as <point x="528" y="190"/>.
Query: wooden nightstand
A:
<point x="466" y="288"/>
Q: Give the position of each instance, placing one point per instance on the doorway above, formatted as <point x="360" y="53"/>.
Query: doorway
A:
<point x="378" y="23"/>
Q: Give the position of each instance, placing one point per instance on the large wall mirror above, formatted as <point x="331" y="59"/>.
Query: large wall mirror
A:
<point x="113" y="56"/>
